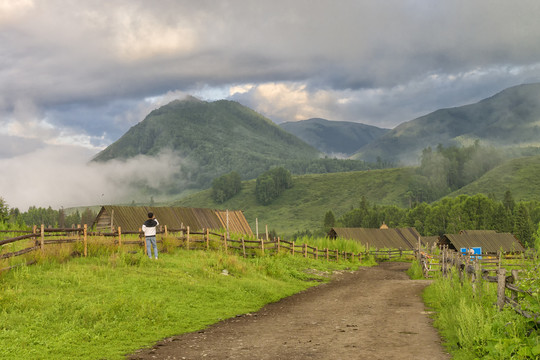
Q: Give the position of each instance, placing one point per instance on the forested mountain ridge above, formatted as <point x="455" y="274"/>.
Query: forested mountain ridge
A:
<point x="334" y="138"/>
<point x="520" y="176"/>
<point x="508" y="119"/>
<point x="303" y="206"/>
<point x="215" y="137"/>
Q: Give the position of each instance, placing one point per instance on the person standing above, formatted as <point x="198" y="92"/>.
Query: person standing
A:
<point x="149" y="229"/>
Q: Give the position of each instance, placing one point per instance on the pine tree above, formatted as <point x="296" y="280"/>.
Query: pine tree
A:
<point x="523" y="227"/>
<point x="329" y="221"/>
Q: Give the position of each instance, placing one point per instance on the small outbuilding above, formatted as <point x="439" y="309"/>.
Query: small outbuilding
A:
<point x="130" y="218"/>
<point x="490" y="242"/>
<point x="389" y="238"/>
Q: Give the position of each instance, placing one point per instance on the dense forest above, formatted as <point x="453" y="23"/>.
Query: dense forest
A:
<point x="445" y="170"/>
<point x="449" y="215"/>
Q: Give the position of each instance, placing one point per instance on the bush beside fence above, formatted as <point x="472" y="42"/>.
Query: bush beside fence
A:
<point x="479" y="266"/>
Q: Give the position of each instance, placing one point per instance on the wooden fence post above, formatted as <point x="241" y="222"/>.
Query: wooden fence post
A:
<point x="85" y="240"/>
<point x="187" y="238"/>
<point x="292" y="248"/>
<point x="305" y="250"/>
<point x="316" y="253"/>
<point x="34" y="231"/>
<point x="458" y="265"/>
<point x="501" y="285"/>
<point x="42" y="241"/>
<point x="419" y="246"/>
<point x="444" y="254"/>
<point x="166" y="231"/>
<point x="327" y="255"/>
<point x="207" y="239"/>
<point x="225" y="241"/>
<point x="119" y="236"/>
<point x="262" y="246"/>
<point x="144" y="241"/>
<point x="337" y="255"/>
<point x="474" y="275"/>
<point x="514" y="278"/>
<point x="278" y="245"/>
<point x="243" y="247"/>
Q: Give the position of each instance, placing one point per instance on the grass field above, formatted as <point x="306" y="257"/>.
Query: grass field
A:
<point x="110" y="305"/>
<point x="304" y="205"/>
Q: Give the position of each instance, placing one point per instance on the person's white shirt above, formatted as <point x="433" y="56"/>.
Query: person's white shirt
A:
<point x="148" y="229"/>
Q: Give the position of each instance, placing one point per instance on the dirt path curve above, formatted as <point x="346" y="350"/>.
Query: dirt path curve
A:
<point x="372" y="313"/>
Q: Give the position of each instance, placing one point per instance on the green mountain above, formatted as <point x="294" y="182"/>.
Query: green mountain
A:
<point x="334" y="138"/>
<point x="508" y="119"/>
<point x="520" y="176"/>
<point x="304" y="205"/>
<point x="213" y="138"/>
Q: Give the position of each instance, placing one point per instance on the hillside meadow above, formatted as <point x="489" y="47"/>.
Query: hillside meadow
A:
<point x="112" y="303"/>
<point x="304" y="205"/>
<point x="520" y="176"/>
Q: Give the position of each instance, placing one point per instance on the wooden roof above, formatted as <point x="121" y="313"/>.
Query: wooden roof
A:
<point x="489" y="241"/>
<point x="131" y="218"/>
<point x="472" y="232"/>
<point x="396" y="238"/>
<point x="430" y="240"/>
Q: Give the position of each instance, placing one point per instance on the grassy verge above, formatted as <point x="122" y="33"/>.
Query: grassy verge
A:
<point x="111" y="304"/>
<point x="473" y="328"/>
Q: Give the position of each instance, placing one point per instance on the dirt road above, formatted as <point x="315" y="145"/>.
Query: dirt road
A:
<point x="372" y="313"/>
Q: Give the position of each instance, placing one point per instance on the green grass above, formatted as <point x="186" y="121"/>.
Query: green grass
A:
<point x="520" y="176"/>
<point x="112" y="304"/>
<point x="415" y="271"/>
<point x="304" y="205"/>
<point x="473" y="328"/>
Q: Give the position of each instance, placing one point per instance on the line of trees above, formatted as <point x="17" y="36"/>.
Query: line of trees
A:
<point x="268" y="187"/>
<point x="271" y="184"/>
<point x="449" y="216"/>
<point x="14" y="218"/>
<point x="226" y="186"/>
<point x="443" y="170"/>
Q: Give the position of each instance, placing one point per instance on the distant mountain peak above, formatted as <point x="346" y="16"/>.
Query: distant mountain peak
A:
<point x="191" y="98"/>
<point x="506" y="119"/>
<point x="213" y="138"/>
<point x="334" y="138"/>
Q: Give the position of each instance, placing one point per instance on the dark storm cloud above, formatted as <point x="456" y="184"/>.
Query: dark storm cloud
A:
<point x="83" y="72"/>
<point x="93" y="53"/>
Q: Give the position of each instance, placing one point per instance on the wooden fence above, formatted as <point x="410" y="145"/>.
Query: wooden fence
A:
<point x="38" y="238"/>
<point x="478" y="266"/>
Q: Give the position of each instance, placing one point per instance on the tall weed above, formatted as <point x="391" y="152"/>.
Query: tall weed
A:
<point x="472" y="326"/>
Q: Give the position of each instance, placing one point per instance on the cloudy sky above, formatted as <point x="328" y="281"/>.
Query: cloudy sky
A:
<point x="76" y="75"/>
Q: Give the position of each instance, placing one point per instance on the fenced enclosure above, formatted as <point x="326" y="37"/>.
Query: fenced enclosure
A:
<point x="33" y="243"/>
<point x="478" y="267"/>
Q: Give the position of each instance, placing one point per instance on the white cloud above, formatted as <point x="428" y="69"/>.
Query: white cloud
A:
<point x="12" y="10"/>
<point x="240" y="89"/>
<point x="59" y="176"/>
<point x="140" y="36"/>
